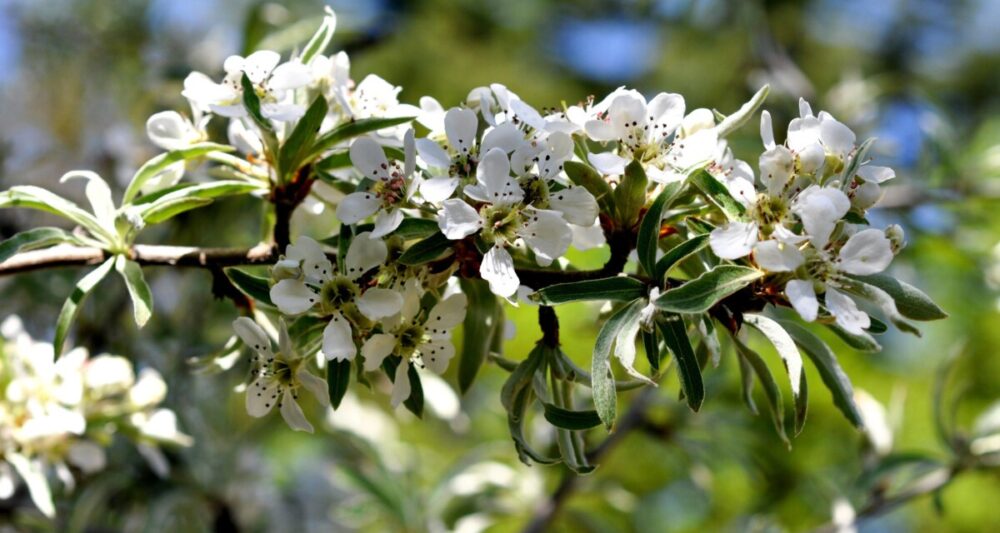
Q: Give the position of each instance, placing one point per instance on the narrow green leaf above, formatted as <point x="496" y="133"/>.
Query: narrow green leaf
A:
<point x="651" y="346"/>
<point x="649" y="228"/>
<point x="160" y="163"/>
<point x="679" y="253"/>
<point x="863" y="342"/>
<point x="675" y="336"/>
<point x="320" y="40"/>
<point x="252" y="103"/>
<point x="338" y="377"/>
<point x="602" y="377"/>
<point x="790" y="357"/>
<point x="588" y="178"/>
<point x="34" y="239"/>
<point x="883" y="300"/>
<point x="572" y="420"/>
<point x="744" y="113"/>
<point x="416" y="228"/>
<point x="253" y="286"/>
<point x="701" y="293"/>
<point x="138" y="290"/>
<point x="746" y="385"/>
<point x="31" y="197"/>
<point x="771" y="390"/>
<point x="67" y="315"/>
<point x="299" y="143"/>
<point x="717" y="193"/>
<point x="860" y="156"/>
<point x="352" y="129"/>
<point x="427" y="250"/>
<point x="833" y="375"/>
<point x="516" y="395"/>
<point x="479" y="324"/>
<point x="910" y="301"/>
<point x="169" y="208"/>
<point x="616" y="289"/>
<point x="630" y="195"/>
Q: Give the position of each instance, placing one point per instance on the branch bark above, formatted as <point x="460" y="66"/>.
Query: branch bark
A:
<point x="144" y="254"/>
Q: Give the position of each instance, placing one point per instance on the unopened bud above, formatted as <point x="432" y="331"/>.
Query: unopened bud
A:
<point x="896" y="238"/>
<point x="866" y="195"/>
<point x="286" y="269"/>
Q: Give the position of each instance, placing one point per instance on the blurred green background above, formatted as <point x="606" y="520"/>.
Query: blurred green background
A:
<point x="78" y="78"/>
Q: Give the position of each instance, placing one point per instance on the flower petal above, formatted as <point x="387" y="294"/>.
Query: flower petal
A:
<point x="338" y="339"/>
<point x="505" y="136"/>
<point x="293" y="414"/>
<point x="386" y="222"/>
<point x="437" y="354"/>
<point x="170" y="131"/>
<point x="493" y="175"/>
<point x="293" y="296"/>
<point x="497" y="268"/>
<point x="802" y="295"/>
<point x="846" y="311"/>
<point x="608" y="163"/>
<point x="776" y="256"/>
<point x="432" y="153"/>
<point x="438" y="189"/>
<point x="576" y="204"/>
<point x="866" y="252"/>
<point x="458" y="219"/>
<point x="446" y="315"/>
<point x="378" y="303"/>
<point x="376" y="349"/>
<point x="734" y="240"/>
<point x="315" y="385"/>
<point x="252" y="335"/>
<point x="262" y="394"/>
<point x="876" y="174"/>
<point x="548" y="235"/>
<point x="820" y="208"/>
<point x="290" y="75"/>
<point x="310" y="253"/>
<point x="460" y="128"/>
<point x="364" y="254"/>
<point x="401" y="384"/>
<point x="369" y="158"/>
<point x="357" y="206"/>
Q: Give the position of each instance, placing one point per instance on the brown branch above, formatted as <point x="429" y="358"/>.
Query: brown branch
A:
<point x="144" y="254"/>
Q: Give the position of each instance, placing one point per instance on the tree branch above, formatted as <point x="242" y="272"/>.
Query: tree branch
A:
<point x="144" y="254"/>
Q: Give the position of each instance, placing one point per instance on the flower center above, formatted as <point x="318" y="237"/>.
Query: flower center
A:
<point x="536" y="192"/>
<point x="769" y="210"/>
<point x="501" y="222"/>
<point x="409" y="338"/>
<point x="337" y="292"/>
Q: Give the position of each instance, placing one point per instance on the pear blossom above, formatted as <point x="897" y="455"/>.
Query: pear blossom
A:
<point x="393" y="186"/>
<point x="416" y="337"/>
<point x="278" y="376"/>
<point x="271" y="79"/>
<point x="310" y="283"/>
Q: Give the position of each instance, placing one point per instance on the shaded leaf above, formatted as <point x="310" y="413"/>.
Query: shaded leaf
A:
<point x="617" y="288"/>
<point x="675" y="336"/>
<point x="701" y="293"/>
<point x="67" y="315"/>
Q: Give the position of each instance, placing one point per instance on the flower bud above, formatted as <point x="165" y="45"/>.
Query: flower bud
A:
<point x="866" y="195"/>
<point x="896" y="238"/>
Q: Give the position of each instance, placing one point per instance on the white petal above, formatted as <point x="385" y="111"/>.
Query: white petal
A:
<point x="527" y="114"/>
<point x="293" y="296"/>
<point x="460" y="128"/>
<point x="506" y="137"/>
<point x="802" y="295"/>
<point x="576" y="204"/>
<point x="401" y="384"/>
<point x="99" y="195"/>
<point x="667" y="111"/>
<point x="843" y="308"/>
<point x="446" y="315"/>
<point x="548" y="235"/>
<point x="369" y="158"/>
<point x="282" y="112"/>
<point x="293" y="414"/>
<point x="458" y="219"/>
<point x="438" y="189"/>
<point x="876" y="174"/>
<point x="493" y="175"/>
<point x="261" y="396"/>
<point x="836" y="137"/>
<point x="357" y="206"/>
<point x="695" y="151"/>
<point x="252" y="335"/>
<point x="628" y="112"/>
<point x="437" y="354"/>
<point x="386" y="222"/>
<point x="338" y="340"/>
<point x="600" y="130"/>
<point x="776" y="167"/>
<point x="734" y="240"/>
<point x="315" y="385"/>
<point x="820" y="208"/>
<point x="766" y="130"/>
<point x="608" y="163"/>
<point x="310" y="253"/>
<point x="498" y="269"/>
<point x="290" y="75"/>
<point x="169" y="130"/>
<point x="588" y="237"/>
<point x="432" y="153"/>
<point x="776" y="256"/>
<point x="811" y="157"/>
<point x="378" y="303"/>
<point x="376" y="349"/>
<point x="33" y="474"/>
<point x="364" y="254"/>
<point x="866" y="252"/>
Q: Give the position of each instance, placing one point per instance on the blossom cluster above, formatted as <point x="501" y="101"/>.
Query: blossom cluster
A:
<point x="58" y="416"/>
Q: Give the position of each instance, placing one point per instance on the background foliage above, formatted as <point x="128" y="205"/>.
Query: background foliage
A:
<point x="79" y="77"/>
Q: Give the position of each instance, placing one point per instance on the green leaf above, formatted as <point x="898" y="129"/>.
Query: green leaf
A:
<point x="651" y="347"/>
<point x="630" y="195"/>
<point x="252" y="103"/>
<point x="860" y="156"/>
<point x="679" y="253"/>
<point x="567" y="419"/>
<point x="298" y="145"/>
<point x="34" y="239"/>
<point x="479" y="324"/>
<point x="427" y="250"/>
<point x="674" y="334"/>
<point x="743" y="114"/>
<point x="746" y="385"/>
<point x="210" y="190"/>
<point x="588" y="178"/>
<point x="910" y="301"/>
<point x="833" y="375"/>
<point x="602" y="377"/>
<point x="883" y="300"/>
<point x="771" y="390"/>
<point x="67" y="315"/>
<point x="321" y="39"/>
<point x="416" y="228"/>
<point x="352" y="129"/>
<point x="717" y="193"/>
<point x="863" y="342"/>
<point x="253" y="286"/>
<point x="338" y="377"/>
<point x="138" y="290"/>
<point x="160" y="163"/>
<point x="167" y="209"/>
<point x="31" y="197"/>
<point x="701" y="293"/>
<point x="790" y="357"/>
<point x="649" y="228"/>
<point x="516" y="395"/>
<point x="615" y="288"/>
